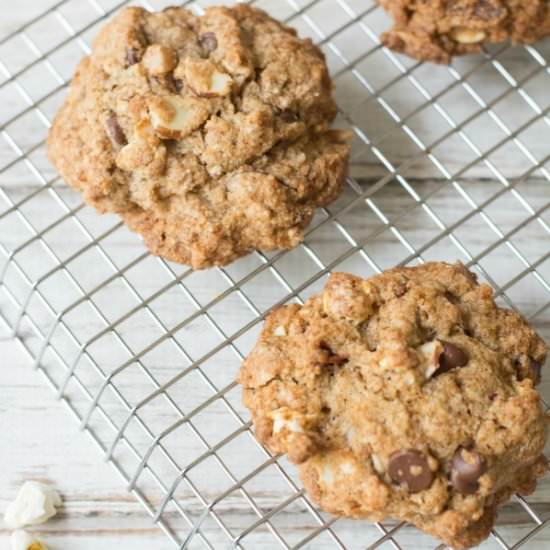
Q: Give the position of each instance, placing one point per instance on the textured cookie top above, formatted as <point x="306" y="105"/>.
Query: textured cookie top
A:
<point x="410" y="394"/>
<point x="209" y="135"/>
<point x="435" y="30"/>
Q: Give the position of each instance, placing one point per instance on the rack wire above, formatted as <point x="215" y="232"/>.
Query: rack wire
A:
<point x="448" y="163"/>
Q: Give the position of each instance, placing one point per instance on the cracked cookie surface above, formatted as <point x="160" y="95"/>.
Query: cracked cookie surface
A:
<point x="408" y="395"/>
<point x="208" y="135"/>
<point x="437" y="30"/>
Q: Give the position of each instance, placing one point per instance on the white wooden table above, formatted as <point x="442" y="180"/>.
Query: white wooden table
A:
<point x="40" y="441"/>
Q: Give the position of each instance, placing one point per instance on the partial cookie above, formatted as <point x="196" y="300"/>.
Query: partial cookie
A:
<point x="208" y="135"/>
<point x="409" y="395"/>
<point x="436" y="30"/>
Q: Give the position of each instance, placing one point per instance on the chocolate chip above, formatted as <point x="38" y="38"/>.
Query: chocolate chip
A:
<point x="411" y="469"/>
<point x="114" y="131"/>
<point x="535" y="368"/>
<point x="451" y="358"/>
<point x="178" y="83"/>
<point x="288" y="116"/>
<point x="467" y="467"/>
<point x="208" y="42"/>
<point x="132" y="56"/>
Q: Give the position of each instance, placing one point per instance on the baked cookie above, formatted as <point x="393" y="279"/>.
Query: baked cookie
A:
<point x="436" y="30"/>
<point x="208" y="135"/>
<point x="408" y="395"/>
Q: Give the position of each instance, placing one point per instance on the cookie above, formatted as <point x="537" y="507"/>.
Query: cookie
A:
<point x="208" y="135"/>
<point x="436" y="30"/>
<point x="408" y="395"/>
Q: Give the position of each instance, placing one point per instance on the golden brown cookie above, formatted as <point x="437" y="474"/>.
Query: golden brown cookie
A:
<point x="208" y="135"/>
<point x="409" y="395"/>
<point x="436" y="30"/>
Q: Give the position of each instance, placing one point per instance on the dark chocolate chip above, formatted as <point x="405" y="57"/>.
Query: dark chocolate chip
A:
<point x="451" y="358"/>
<point x="411" y="469"/>
<point x="535" y="368"/>
<point x="208" y="42"/>
<point x="467" y="467"/>
<point x="132" y="56"/>
<point x="114" y="131"/>
<point x="178" y="83"/>
<point x="289" y="116"/>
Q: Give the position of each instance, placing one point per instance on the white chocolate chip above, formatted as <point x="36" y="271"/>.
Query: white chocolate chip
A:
<point x="347" y="468"/>
<point x="21" y="540"/>
<point x="464" y="35"/>
<point x="205" y="79"/>
<point x="174" y="117"/>
<point x="35" y="503"/>
<point x="430" y="353"/>
<point x="327" y="475"/>
<point x="377" y="464"/>
<point x="280" y="331"/>
<point x="159" y="60"/>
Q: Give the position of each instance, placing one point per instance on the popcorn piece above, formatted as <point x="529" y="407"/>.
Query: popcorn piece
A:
<point x="430" y="353"/>
<point x="285" y="419"/>
<point x="463" y="35"/>
<point x="159" y="60"/>
<point x="35" y="503"/>
<point x="145" y="131"/>
<point x="21" y="540"/>
<point x="205" y="79"/>
<point x="174" y="117"/>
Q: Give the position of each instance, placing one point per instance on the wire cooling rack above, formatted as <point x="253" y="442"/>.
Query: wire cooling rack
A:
<point x="448" y="163"/>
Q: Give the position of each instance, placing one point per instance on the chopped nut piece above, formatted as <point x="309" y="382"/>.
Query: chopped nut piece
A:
<point x="463" y="35"/>
<point x="175" y="117"/>
<point x="160" y="60"/>
<point x="377" y="464"/>
<point x="205" y="79"/>
<point x="431" y="352"/>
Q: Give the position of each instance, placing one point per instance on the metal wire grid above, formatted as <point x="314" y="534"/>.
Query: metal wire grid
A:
<point x="90" y="376"/>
